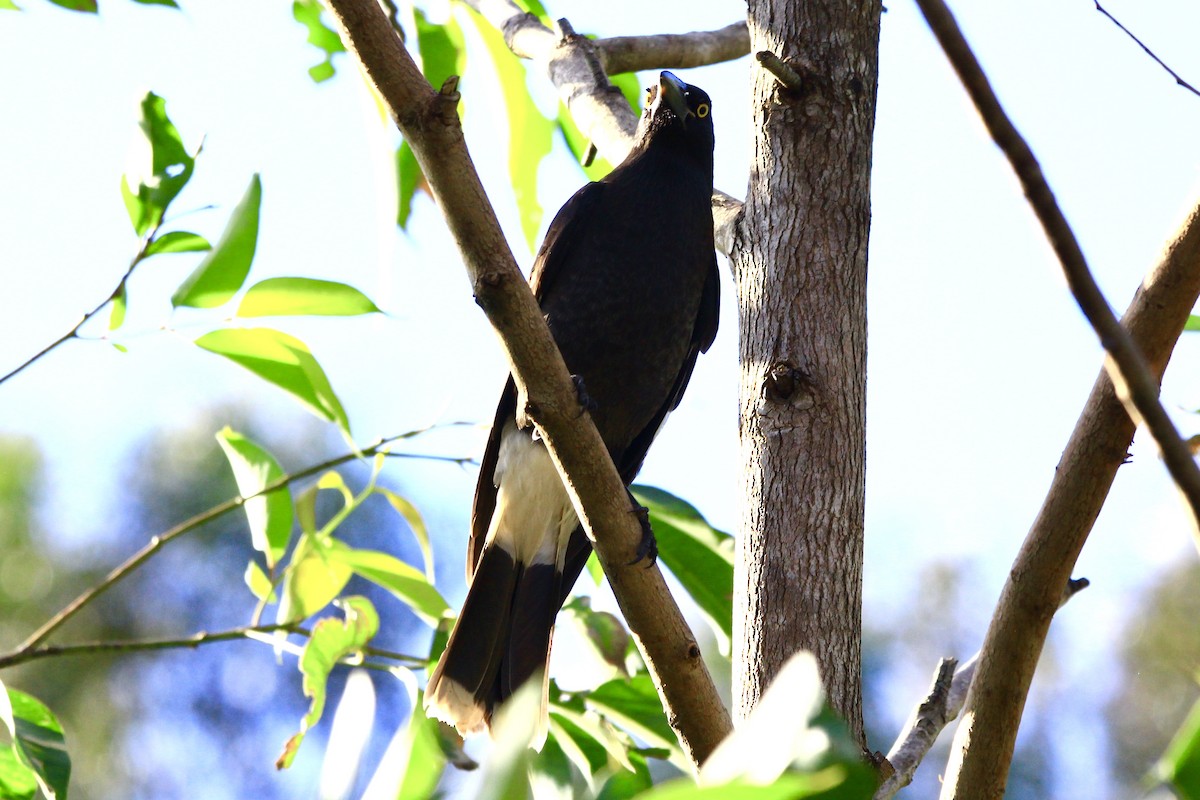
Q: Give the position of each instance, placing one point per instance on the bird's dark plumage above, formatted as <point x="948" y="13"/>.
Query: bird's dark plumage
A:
<point x="627" y="279"/>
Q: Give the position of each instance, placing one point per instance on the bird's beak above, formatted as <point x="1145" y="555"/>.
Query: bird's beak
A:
<point x="670" y="91"/>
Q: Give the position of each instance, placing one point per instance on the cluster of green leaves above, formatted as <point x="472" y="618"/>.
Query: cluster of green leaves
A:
<point x="220" y="277"/>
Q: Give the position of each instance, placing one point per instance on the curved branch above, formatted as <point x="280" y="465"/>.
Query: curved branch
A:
<point x="574" y="64"/>
<point x="1139" y="348"/>
<point x="429" y="122"/>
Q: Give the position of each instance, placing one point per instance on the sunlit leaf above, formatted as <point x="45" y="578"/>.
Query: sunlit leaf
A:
<point x="334" y="480"/>
<point x="177" y="242"/>
<point x="441" y="47"/>
<point x="258" y="583"/>
<point x="17" y="781"/>
<point x="633" y="703"/>
<point x="423" y="757"/>
<point x="120" y="300"/>
<point x="405" y="582"/>
<point x="699" y="555"/>
<point x="505" y="771"/>
<point x="538" y="10"/>
<point x="588" y="729"/>
<point x="37" y="740"/>
<point x="280" y="297"/>
<point x="1193" y="323"/>
<point x="282" y="360"/>
<point x="550" y="774"/>
<point x="1179" y="766"/>
<point x="529" y="132"/>
<point x="409" y="180"/>
<point x="223" y="271"/>
<point x="320" y="35"/>
<point x="270" y="514"/>
<point x="312" y="579"/>
<point x="148" y="194"/>
<point x="8" y="5"/>
<point x="331" y="640"/>
<point x="170" y="3"/>
<point x="77" y="5"/>
<point x="413" y="517"/>
<point x="790" y="786"/>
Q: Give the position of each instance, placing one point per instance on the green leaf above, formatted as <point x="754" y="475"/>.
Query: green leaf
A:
<point x="790" y="786"/>
<point x="529" y="132"/>
<point x="224" y="270"/>
<point x="169" y="169"/>
<point x="633" y="703"/>
<point x="258" y="582"/>
<point x="589" y="730"/>
<point x="312" y="579"/>
<point x="442" y="48"/>
<point x="17" y="781"/>
<point x="177" y="242"/>
<point x="320" y="35"/>
<point x="603" y="630"/>
<point x="170" y="3"/>
<point x="37" y="741"/>
<point x="331" y="640"/>
<point x="282" y="360"/>
<point x="269" y="515"/>
<point x="1192" y="324"/>
<point x="628" y="783"/>
<point x="120" y="300"/>
<point x="1179" y="766"/>
<point x="422" y="757"/>
<point x="538" y="10"/>
<point x="413" y="517"/>
<point x="409" y="180"/>
<point x="550" y="772"/>
<point x="699" y="555"/>
<point x="405" y="582"/>
<point x="8" y="5"/>
<point x="281" y="297"/>
<point x="77" y="5"/>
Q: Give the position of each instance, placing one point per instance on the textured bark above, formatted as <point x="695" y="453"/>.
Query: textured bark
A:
<point x="800" y="257"/>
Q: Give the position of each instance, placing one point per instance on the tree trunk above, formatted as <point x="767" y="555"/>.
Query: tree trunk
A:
<point x="800" y="259"/>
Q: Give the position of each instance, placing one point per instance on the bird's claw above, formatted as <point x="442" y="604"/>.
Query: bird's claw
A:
<point x="648" y="547"/>
<point x="586" y="403"/>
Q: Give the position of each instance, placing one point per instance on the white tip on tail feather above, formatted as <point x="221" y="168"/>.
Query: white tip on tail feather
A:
<point x="453" y="704"/>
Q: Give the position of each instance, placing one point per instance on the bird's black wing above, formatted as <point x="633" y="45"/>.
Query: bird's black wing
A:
<point x="703" y="334"/>
<point x="565" y="232"/>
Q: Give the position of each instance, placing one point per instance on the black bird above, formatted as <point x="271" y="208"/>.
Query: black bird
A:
<point x="627" y="279"/>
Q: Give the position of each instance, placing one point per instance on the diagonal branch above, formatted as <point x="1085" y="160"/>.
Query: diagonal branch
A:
<point x="576" y="66"/>
<point x="674" y="50"/>
<point x="429" y="121"/>
<point x="1139" y="349"/>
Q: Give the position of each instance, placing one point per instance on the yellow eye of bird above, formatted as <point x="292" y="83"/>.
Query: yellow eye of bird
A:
<point x="702" y="110"/>
<point x="649" y="94"/>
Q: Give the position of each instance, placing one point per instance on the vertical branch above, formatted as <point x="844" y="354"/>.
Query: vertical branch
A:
<point x="800" y="255"/>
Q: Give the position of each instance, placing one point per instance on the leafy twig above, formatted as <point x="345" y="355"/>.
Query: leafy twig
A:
<point x="1149" y="52"/>
<point x="157" y="542"/>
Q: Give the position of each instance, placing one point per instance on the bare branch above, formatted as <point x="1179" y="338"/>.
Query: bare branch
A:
<point x="1138" y="350"/>
<point x="941" y="706"/>
<point x="674" y="50"/>
<point x="156" y="543"/>
<point x="573" y="64"/>
<point x="1126" y="363"/>
<point x="1148" y="51"/>
<point x="429" y="122"/>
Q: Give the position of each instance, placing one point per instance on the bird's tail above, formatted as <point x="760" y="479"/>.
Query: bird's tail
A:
<point x="501" y="639"/>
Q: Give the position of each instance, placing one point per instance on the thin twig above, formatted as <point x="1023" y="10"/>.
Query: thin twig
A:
<point x="157" y="542"/>
<point x="192" y="641"/>
<point x="1149" y="52"/>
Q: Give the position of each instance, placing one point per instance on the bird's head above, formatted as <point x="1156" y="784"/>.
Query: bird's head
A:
<point x="677" y="112"/>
